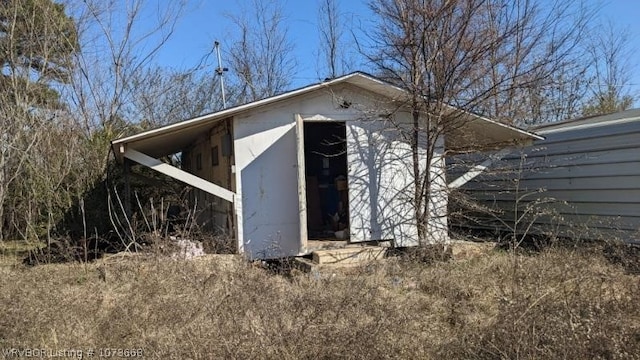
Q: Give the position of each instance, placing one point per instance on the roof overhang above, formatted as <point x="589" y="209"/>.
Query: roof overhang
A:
<point x="474" y="132"/>
<point x="174" y="138"/>
<point x="590" y="122"/>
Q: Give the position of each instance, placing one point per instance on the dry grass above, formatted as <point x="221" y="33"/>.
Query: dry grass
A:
<point x="12" y="252"/>
<point x="556" y="304"/>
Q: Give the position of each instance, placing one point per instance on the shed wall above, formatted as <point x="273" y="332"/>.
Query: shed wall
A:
<point x="267" y="175"/>
<point x="212" y="212"/>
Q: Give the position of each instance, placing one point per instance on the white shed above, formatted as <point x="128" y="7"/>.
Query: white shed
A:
<point x="281" y="171"/>
<point x="589" y="167"/>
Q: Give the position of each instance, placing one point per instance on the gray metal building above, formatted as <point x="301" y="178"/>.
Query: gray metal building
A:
<point x="582" y="181"/>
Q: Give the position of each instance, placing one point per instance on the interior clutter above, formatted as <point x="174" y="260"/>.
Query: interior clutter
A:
<point x="326" y="180"/>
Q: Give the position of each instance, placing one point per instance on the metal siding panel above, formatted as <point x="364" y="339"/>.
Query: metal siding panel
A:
<point x="571" y="195"/>
<point x="580" y="208"/>
<point x="596" y="171"/>
<point x="585" y="171"/>
<point x="589" y="183"/>
<point x="579" y="145"/>
<point x="587" y="157"/>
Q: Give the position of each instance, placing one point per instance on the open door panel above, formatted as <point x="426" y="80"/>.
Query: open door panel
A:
<point x="379" y="196"/>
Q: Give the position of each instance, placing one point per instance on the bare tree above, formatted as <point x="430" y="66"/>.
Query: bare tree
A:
<point x="74" y="77"/>
<point x="172" y="96"/>
<point x="331" y="32"/>
<point x="117" y="51"/>
<point x="478" y="55"/>
<point x="261" y="58"/>
<point x="610" y="53"/>
<point x="560" y="97"/>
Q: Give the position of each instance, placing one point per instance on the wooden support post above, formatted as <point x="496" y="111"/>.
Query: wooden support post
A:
<point x="126" y="164"/>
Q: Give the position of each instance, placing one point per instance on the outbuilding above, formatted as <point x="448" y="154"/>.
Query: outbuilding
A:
<point x="582" y="181"/>
<point x="328" y="160"/>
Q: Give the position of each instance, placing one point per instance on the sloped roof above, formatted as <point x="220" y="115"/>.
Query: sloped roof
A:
<point x="173" y="138"/>
<point x="591" y="121"/>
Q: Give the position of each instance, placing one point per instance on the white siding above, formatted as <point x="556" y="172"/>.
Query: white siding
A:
<point x="267" y="178"/>
<point x="380" y="184"/>
<point x="265" y="153"/>
<point x="592" y="171"/>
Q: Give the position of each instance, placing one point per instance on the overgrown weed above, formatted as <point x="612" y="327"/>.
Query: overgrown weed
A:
<point x="561" y="303"/>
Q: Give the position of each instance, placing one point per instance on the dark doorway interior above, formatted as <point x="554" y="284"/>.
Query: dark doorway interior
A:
<point x="325" y="155"/>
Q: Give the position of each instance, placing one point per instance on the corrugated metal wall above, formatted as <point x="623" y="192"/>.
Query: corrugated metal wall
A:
<point x="582" y="181"/>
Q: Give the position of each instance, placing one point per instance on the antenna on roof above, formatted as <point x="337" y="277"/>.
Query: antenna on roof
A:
<point x="220" y="72"/>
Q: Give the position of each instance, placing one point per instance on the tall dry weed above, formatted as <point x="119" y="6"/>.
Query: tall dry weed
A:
<point x="561" y="304"/>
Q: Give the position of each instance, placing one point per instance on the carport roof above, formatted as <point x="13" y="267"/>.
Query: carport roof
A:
<point x="171" y="139"/>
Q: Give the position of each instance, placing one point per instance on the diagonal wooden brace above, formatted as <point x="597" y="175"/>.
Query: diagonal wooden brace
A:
<point x="179" y="174"/>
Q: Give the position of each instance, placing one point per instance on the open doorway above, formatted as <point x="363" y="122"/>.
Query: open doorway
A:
<point x="325" y="156"/>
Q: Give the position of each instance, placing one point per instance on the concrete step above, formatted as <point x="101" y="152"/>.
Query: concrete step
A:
<point x="348" y="255"/>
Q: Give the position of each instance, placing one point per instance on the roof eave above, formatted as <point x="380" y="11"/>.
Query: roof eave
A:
<point x="359" y="79"/>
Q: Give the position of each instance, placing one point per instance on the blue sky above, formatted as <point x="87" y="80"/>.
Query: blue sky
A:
<point x="205" y="21"/>
<point x="626" y="14"/>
